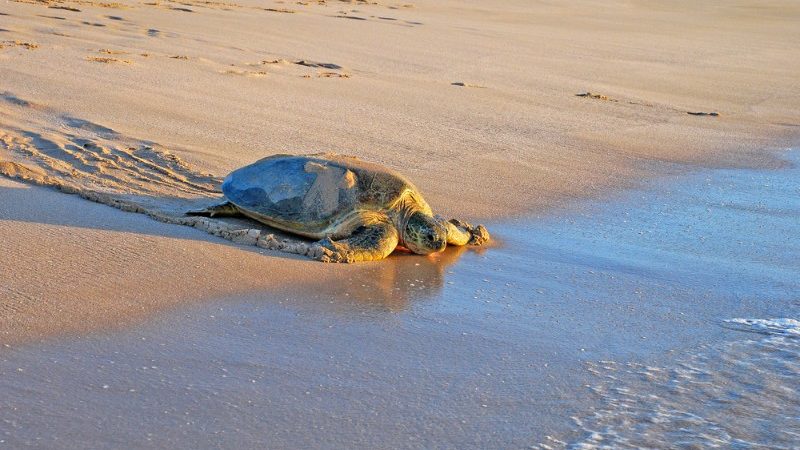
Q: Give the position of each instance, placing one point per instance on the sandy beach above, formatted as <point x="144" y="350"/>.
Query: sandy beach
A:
<point x="500" y="112"/>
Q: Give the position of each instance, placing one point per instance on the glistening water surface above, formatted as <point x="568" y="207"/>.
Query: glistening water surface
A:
<point x="664" y="317"/>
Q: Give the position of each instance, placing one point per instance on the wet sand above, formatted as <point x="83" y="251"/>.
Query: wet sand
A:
<point x="584" y="325"/>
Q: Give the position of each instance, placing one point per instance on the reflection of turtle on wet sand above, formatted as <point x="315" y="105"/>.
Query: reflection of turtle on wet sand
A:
<point x="360" y="211"/>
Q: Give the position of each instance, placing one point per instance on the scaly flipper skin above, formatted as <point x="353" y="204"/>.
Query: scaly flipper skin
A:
<point x="223" y="209"/>
<point x="462" y="233"/>
<point x="367" y="243"/>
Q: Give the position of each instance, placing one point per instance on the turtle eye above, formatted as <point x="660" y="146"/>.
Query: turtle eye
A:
<point x="431" y="237"/>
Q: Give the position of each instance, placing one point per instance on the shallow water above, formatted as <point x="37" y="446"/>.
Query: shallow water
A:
<point x="663" y="316"/>
<point x="742" y="393"/>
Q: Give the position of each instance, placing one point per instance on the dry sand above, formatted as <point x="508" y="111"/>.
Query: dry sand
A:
<point x="475" y="101"/>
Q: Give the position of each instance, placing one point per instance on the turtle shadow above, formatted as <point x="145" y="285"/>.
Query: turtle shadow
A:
<point x="72" y="211"/>
<point x="390" y="284"/>
<point x="124" y="214"/>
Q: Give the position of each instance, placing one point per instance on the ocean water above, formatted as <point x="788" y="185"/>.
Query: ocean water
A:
<point x="662" y="317"/>
<point x="742" y="393"/>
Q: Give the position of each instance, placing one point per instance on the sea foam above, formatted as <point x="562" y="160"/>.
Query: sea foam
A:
<point x="780" y="326"/>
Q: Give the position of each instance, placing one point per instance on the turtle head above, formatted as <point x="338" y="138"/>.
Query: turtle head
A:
<point x="424" y="234"/>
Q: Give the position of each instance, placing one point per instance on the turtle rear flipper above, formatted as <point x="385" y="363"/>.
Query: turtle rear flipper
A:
<point x="223" y="209"/>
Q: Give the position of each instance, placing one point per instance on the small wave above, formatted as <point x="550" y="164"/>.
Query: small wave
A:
<point x="781" y="326"/>
<point x="720" y="396"/>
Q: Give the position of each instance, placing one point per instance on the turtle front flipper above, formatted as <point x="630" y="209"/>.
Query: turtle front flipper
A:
<point x="223" y="209"/>
<point x="367" y="243"/>
<point x="462" y="233"/>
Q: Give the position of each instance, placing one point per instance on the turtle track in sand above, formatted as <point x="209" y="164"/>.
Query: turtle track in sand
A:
<point x="41" y="146"/>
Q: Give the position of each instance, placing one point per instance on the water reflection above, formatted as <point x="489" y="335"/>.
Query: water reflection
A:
<point x="397" y="281"/>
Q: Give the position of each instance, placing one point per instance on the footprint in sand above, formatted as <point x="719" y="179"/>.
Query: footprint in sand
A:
<point x="462" y="84"/>
<point x="107" y="51"/>
<point x="52" y="17"/>
<point x="65" y="8"/>
<point x="334" y="70"/>
<point x="345" y="16"/>
<point x="101" y="59"/>
<point x="93" y="24"/>
<point x="15" y="43"/>
<point x="246" y="73"/>
<point x="332" y="75"/>
<point x="173" y="8"/>
<point x="225" y="6"/>
<point x="303" y="62"/>
<point x="596" y="96"/>
<point x="270" y="61"/>
<point x="58" y="4"/>
<point x="405" y="23"/>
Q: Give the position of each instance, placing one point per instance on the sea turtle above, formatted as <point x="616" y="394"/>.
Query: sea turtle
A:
<point x="359" y="211"/>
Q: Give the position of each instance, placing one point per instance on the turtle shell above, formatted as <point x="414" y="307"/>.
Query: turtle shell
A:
<point x="312" y="193"/>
